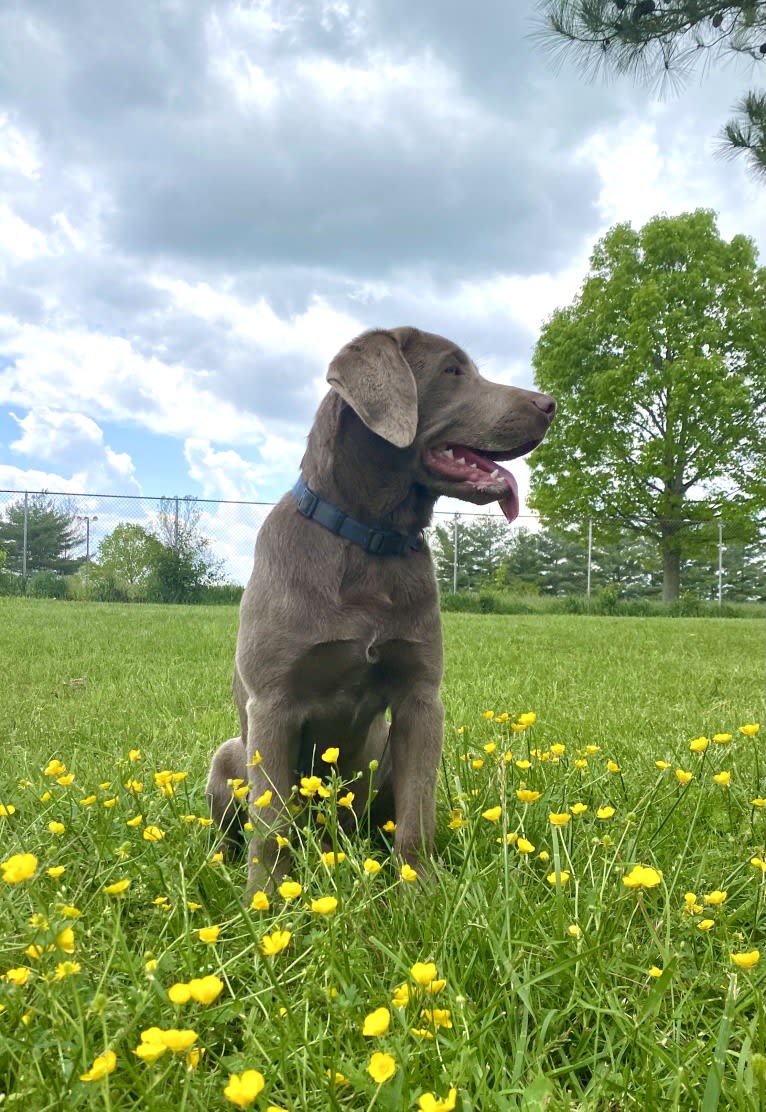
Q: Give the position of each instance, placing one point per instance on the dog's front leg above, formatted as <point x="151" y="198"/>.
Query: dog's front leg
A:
<point x="272" y="751"/>
<point x="416" y="738"/>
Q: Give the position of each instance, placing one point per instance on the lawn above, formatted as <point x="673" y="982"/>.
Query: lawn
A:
<point x="529" y="975"/>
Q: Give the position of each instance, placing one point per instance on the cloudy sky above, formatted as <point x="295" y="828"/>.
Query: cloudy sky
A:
<point x="202" y="200"/>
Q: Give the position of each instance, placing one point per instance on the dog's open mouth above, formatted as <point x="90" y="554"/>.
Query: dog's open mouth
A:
<point x="477" y="472"/>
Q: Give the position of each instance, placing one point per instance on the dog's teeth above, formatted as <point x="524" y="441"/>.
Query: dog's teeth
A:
<point x="448" y="453"/>
<point x="461" y="460"/>
<point x="495" y="473"/>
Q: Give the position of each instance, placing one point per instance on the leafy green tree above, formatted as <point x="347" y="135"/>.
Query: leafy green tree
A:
<point x="53" y="535"/>
<point x="654" y="40"/>
<point x="482" y="542"/>
<point x="658" y="371"/>
<point x="183" y="564"/>
<point x="127" y="557"/>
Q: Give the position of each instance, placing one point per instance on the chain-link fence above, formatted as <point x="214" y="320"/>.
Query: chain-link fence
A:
<point x="104" y="534"/>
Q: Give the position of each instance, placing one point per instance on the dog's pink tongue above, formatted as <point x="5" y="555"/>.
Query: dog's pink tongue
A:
<point x="509" y="503"/>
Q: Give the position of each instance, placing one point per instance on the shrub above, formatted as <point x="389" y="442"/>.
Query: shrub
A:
<point x="47" y="584"/>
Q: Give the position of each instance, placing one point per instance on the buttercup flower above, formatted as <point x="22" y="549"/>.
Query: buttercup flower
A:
<point x="722" y="739"/>
<point x="750" y="729"/>
<point x="683" y="777"/>
<point x="208" y="934"/>
<point x="698" y="745"/>
<point x="488" y="714"/>
<point x="563" y="877"/>
<point x="527" y="719"/>
<point x="330" y="756"/>
<point x="17" y="976"/>
<point x="66" y="969"/>
<point x="118" y="887"/>
<point x="574" y="930"/>
<point x="102" y="1065"/>
<point x="716" y="898"/>
<point x="371" y="867"/>
<point x="325" y="905"/>
<point x="310" y="785"/>
<point x="612" y="766"/>
<point x="559" y="818"/>
<point x="65" y="940"/>
<point x="746" y="960"/>
<point x="381" y="1067"/>
<point x="722" y="779"/>
<point x="440" y="1017"/>
<point x="578" y="808"/>
<point x="203" y="990"/>
<point x="6" y="809"/>
<point x="401" y="996"/>
<point x="290" y="889"/>
<point x="423" y="972"/>
<point x="408" y="873"/>
<point x="605" y="813"/>
<point x="243" y="1088"/>
<point x="429" y="1102"/>
<point x="490" y="747"/>
<point x="662" y="765"/>
<point x="705" y="924"/>
<point x="492" y="814"/>
<point x="153" y="834"/>
<point x="346" y="800"/>
<point x="18" y="867"/>
<point x="655" y="971"/>
<point x="264" y="799"/>
<point x="275" y="942"/>
<point x="524" y="846"/>
<point x="56" y="828"/>
<point x="332" y="859"/>
<point x="376" y="1023"/>
<point x="642" y="876"/>
<point x="526" y="795"/>
<point x="54" y="767"/>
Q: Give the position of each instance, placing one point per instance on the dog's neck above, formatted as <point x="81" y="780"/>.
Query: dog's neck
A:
<point x="362" y="474"/>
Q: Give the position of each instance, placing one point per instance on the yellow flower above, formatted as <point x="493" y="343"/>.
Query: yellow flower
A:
<point x="332" y="859"/>
<point x="527" y="719"/>
<point x="662" y="765"/>
<point x="371" y="867"/>
<point x="683" y="777"/>
<point x="194" y="1057"/>
<point x="310" y="785"/>
<point x="748" y="959"/>
<point x="408" y="873"/>
<point x="655" y="971"/>
<point x="524" y="846"/>
<point x="153" y="834"/>
<point x="698" y="745"/>
<point x="381" y="1067"/>
<point x="490" y="747"/>
<point x="705" y="924"/>
<point x="423" y="972"/>
<point x="523" y="764"/>
<point x="563" y="877"/>
<point x="66" y="780"/>
<point x="88" y="801"/>
<point x="578" y="808"/>
<point x="109" y="803"/>
<point x="346" y="800"/>
<point x="179" y="993"/>
<point x="758" y="863"/>
<point x="56" y="828"/>
<point x="330" y="756"/>
<point x="102" y="1065"/>
<point x="477" y="763"/>
<point x="281" y="841"/>
<point x="488" y="714"/>
<point x="581" y="763"/>
<point x="642" y="876"/>
<point x="574" y="930"/>
<point x="134" y="755"/>
<point x="560" y="818"/>
<point x="544" y="855"/>
<point x="135" y="821"/>
<point x="66" y="969"/>
<point x="18" y="867"/>
<point x="54" y="768"/>
<point x="440" y="1017"/>
<point x="612" y="766"/>
<point x="17" y="976"/>
<point x="69" y="911"/>
<point x="255" y="760"/>
<point x="759" y="801"/>
<point x="722" y="739"/>
<point x="421" y="1032"/>
<point x="492" y="814"/>
<point x="264" y="799"/>
<point x="244" y="1088"/>
<point x="275" y="942"/>
<point x="429" y="1102"/>
<point x="605" y="813"/>
<point x="325" y="905"/>
<point x="208" y="934"/>
<point x="6" y="809"/>
<point x="401" y="996"/>
<point x="750" y="730"/>
<point x="526" y="795"/>
<point x="376" y="1023"/>
<point x="338" y="1077"/>
<point x="118" y="887"/>
<point x="715" y="899"/>
<point x="203" y="990"/>
<point x="722" y="779"/>
<point x="178" y="1041"/>
<point x="289" y="890"/>
<point x="65" y="940"/>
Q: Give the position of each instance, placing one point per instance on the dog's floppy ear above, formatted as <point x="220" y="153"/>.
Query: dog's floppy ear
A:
<point x="372" y="375"/>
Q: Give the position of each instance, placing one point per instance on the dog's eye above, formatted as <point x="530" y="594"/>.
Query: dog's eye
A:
<point x="452" y="370"/>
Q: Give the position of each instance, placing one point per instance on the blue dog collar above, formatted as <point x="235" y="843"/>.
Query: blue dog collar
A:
<point x="379" y="542"/>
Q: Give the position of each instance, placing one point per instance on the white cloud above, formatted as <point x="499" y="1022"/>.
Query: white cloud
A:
<point x="75" y="442"/>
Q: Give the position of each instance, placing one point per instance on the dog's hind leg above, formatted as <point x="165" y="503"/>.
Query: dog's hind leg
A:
<point x="229" y="763"/>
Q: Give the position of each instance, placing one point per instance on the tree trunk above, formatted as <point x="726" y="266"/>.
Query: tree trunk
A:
<point x="671" y="569"/>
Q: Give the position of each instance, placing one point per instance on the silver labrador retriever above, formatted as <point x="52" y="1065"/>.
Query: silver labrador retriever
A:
<point x="339" y="623"/>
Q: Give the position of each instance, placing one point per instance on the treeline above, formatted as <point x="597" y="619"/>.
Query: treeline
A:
<point x="170" y="560"/>
<point x="554" y="564"/>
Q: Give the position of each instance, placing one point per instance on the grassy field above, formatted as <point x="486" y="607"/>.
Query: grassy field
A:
<point x="528" y="976"/>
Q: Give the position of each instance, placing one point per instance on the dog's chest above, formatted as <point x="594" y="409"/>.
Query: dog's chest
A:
<point x="356" y="670"/>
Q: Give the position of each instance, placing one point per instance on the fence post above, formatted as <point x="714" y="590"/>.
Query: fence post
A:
<point x="590" y="555"/>
<point x="25" y="536"/>
<point x="454" y="556"/>
<point x="720" y="563"/>
<point x="175" y="527"/>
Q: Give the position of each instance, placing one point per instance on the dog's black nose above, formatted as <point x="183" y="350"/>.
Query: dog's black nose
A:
<point x="546" y="403"/>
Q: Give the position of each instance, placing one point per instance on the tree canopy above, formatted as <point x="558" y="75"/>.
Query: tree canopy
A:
<point x="665" y="40"/>
<point x="658" y="371"/>
<point x="53" y="536"/>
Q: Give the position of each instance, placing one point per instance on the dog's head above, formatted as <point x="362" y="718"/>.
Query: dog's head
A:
<point x="423" y="394"/>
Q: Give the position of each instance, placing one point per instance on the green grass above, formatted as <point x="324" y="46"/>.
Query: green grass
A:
<point x="547" y="986"/>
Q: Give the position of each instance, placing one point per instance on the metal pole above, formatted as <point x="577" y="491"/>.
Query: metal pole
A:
<point x="720" y="563"/>
<point x="175" y="527"/>
<point x="590" y="555"/>
<point x="454" y="556"/>
<point x="25" y="536"/>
